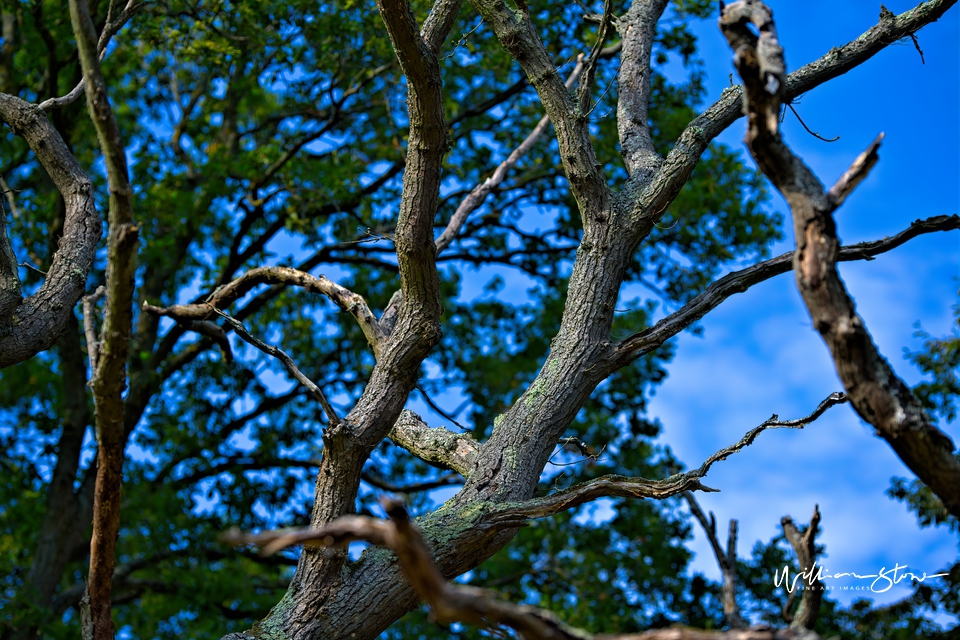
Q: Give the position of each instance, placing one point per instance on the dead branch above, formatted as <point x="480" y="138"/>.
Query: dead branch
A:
<point x="457" y="603"/>
<point x="877" y="394"/>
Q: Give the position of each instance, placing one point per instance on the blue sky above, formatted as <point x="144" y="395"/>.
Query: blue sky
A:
<point x="759" y="354"/>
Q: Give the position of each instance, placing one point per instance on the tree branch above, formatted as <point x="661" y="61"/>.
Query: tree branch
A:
<point x="726" y="560"/>
<point x="805" y="548"/>
<point x="638" y="29"/>
<point x="42" y="318"/>
<point x="739" y="281"/>
<point x="877" y="394"/>
<point x="332" y="419"/>
<point x="435" y="445"/>
<point x="110" y="377"/>
<point x="109" y="30"/>
<point x="479" y="194"/>
<point x="693" y="141"/>
<point x="514" y="514"/>
<point x="456" y="603"/>
<point x="446" y="480"/>
<point x="225" y="295"/>
<point x="518" y="35"/>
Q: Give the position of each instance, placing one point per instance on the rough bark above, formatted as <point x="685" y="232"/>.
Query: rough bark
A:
<point x="110" y="376"/>
<point x="876" y="393"/>
<point x="804" y="545"/>
<point x="329" y="599"/>
<point x="37" y="323"/>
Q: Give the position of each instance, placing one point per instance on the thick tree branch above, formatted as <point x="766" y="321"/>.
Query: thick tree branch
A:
<point x="518" y="35"/>
<point x="514" y="514"/>
<point x="456" y="603"/>
<point x="435" y="445"/>
<point x="739" y="281"/>
<point x="638" y="29"/>
<point x="694" y="140"/>
<point x="726" y="560"/>
<point x="439" y="22"/>
<point x="877" y="394"/>
<point x="37" y="323"/>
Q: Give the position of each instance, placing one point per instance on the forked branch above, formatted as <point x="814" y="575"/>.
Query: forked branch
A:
<point x="805" y="548"/>
<point x="726" y="560"/>
<point x="510" y="515"/>
<point x="457" y="603"/>
<point x="877" y="394"/>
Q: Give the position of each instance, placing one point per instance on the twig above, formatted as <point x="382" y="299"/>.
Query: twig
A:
<point x="916" y="43"/>
<point x="804" y="124"/>
<point x="27" y="265"/>
<point x="279" y="354"/>
<point x="435" y="407"/>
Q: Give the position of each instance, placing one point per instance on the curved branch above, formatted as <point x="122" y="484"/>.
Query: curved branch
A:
<point x="38" y="322"/>
<point x="224" y="296"/>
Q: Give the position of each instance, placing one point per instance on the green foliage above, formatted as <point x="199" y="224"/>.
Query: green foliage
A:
<point x="263" y="132"/>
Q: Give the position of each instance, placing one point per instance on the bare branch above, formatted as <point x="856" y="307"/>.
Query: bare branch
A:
<point x="479" y="194"/>
<point x="727" y="561"/>
<point x="457" y="603"/>
<point x="739" y="281"/>
<point x="224" y="296"/>
<point x="638" y="29"/>
<point x="280" y="354"/>
<point x="435" y="445"/>
<point x="855" y="174"/>
<point x="877" y="394"/>
<point x="109" y="30"/>
<point x="511" y="515"/>
<point x="725" y="111"/>
<point x="804" y="546"/>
